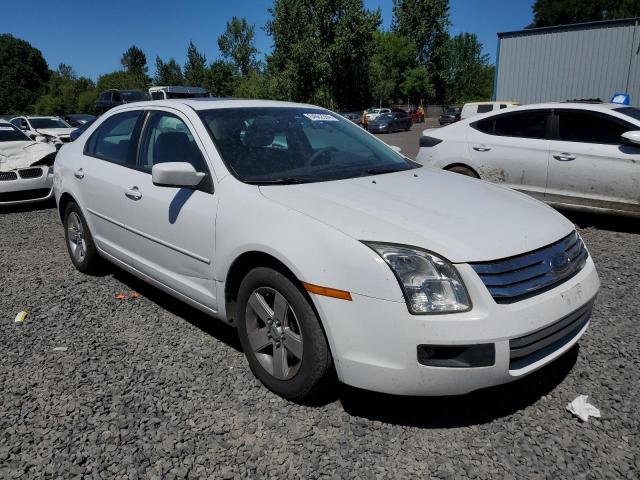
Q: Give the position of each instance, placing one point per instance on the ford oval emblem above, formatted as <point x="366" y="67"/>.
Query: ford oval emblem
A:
<point x="559" y="262"/>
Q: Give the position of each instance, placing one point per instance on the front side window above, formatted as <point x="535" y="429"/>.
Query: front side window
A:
<point x="281" y="144"/>
<point x="116" y="139"/>
<point x="49" y="123"/>
<point x="168" y="139"/>
<point x="590" y="127"/>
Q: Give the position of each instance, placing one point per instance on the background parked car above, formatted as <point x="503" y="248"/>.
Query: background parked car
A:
<point x="450" y="115"/>
<point x="25" y="167"/>
<point x="476" y="108"/>
<point x="374" y="113"/>
<point x="77" y="119"/>
<point x="111" y="98"/>
<point x="164" y="93"/>
<point x="355" y="117"/>
<point x="576" y="155"/>
<point x="390" y="122"/>
<point x="53" y="130"/>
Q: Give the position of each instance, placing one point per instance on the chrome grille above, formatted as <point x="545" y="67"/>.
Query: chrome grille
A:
<point x="34" y="172"/>
<point x="6" y="176"/>
<point x="516" y="278"/>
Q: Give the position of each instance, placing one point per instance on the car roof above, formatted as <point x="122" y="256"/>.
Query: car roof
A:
<point x="578" y="105"/>
<point x="215" y="103"/>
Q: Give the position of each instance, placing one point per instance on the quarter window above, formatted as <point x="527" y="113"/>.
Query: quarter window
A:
<point x="484" y="108"/>
<point x="589" y="127"/>
<point x="116" y="139"/>
<point x="168" y="139"/>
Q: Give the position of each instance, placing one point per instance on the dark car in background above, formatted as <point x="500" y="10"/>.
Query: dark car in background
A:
<point x="450" y="115"/>
<point x="355" y="117"/>
<point x="78" y="119"/>
<point x="112" y="98"/>
<point x="390" y="122"/>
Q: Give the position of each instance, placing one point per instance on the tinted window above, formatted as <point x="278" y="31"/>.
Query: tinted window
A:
<point x="275" y="144"/>
<point x="523" y="124"/>
<point x="157" y="96"/>
<point x="116" y="139"/>
<point x="9" y="133"/>
<point x="589" y="127"/>
<point x="502" y="105"/>
<point x="133" y="95"/>
<point x="629" y="111"/>
<point x="485" y="126"/>
<point x="167" y="139"/>
<point x="484" y="108"/>
<point x="105" y="96"/>
<point x="16" y="122"/>
<point x="117" y="97"/>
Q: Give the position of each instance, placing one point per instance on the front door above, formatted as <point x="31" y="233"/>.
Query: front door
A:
<point x="590" y="165"/>
<point x="512" y="149"/>
<point x="171" y="231"/>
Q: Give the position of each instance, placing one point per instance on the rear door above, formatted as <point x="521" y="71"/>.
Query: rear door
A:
<point x="590" y="165"/>
<point x="101" y="179"/>
<point x="512" y="148"/>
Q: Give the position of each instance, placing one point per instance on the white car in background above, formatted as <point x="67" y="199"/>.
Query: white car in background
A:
<point x="571" y="155"/>
<point x="328" y="250"/>
<point x="53" y="130"/>
<point x="476" y="108"/>
<point x="26" y="167"/>
<point x="374" y="113"/>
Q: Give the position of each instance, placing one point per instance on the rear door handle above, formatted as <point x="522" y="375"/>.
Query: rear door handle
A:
<point x="481" y="148"/>
<point x="133" y="193"/>
<point x="564" y="157"/>
<point x="79" y="173"/>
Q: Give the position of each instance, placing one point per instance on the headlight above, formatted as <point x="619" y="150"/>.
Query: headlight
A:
<point x="430" y="284"/>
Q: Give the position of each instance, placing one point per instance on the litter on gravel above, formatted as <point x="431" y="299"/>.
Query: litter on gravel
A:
<point x="60" y="349"/>
<point x="21" y="317"/>
<point x="582" y="409"/>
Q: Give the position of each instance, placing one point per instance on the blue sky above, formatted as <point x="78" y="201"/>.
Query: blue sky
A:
<point x="92" y="35"/>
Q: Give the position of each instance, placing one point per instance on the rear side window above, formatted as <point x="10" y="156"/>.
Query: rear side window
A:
<point x="105" y="96"/>
<point x="116" y="140"/>
<point x="529" y="124"/>
<point x="502" y="105"/>
<point x="590" y="127"/>
<point x="485" y="108"/>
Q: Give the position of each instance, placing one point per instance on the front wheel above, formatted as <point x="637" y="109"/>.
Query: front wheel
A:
<point x="80" y="245"/>
<point x="281" y="336"/>
<point x="462" y="170"/>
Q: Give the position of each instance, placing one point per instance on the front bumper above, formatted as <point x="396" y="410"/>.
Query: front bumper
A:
<point x="26" y="190"/>
<point x="375" y="342"/>
<point x="379" y="128"/>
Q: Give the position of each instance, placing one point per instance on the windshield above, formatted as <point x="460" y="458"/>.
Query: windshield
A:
<point x="296" y="145"/>
<point x="452" y="111"/>
<point x="133" y="95"/>
<point x="385" y="116"/>
<point x="9" y="133"/>
<point x="629" y="112"/>
<point x="38" y="123"/>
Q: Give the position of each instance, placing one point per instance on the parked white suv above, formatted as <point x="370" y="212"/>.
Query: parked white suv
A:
<point x="571" y="155"/>
<point x="476" y="108"/>
<point x="328" y="250"/>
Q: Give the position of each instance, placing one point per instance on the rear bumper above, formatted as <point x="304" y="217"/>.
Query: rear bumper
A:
<point x="376" y="343"/>
<point x="27" y="190"/>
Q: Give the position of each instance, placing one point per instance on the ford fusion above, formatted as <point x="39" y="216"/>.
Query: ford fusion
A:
<point x="331" y="253"/>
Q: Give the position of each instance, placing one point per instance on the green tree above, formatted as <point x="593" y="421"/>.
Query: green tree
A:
<point x="426" y="22"/>
<point x="469" y="73"/>
<point x="236" y="44"/>
<point x="134" y="61"/>
<point x="64" y="90"/>
<point x="168" y="73"/>
<point x="394" y="55"/>
<point x="416" y="85"/>
<point x="121" y="80"/>
<point x="221" y="79"/>
<point x="195" y="70"/>
<point x="24" y="74"/>
<point x="548" y="13"/>
<point x="321" y="51"/>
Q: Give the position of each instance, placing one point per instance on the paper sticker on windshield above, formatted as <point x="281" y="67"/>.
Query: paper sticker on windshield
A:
<point x="320" y="117"/>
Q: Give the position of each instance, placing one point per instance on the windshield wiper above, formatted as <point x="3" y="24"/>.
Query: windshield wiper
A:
<point x="379" y="171"/>
<point x="282" y="181"/>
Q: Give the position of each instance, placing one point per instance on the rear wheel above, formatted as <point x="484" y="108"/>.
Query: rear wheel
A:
<point x="80" y="245"/>
<point x="462" y="170"/>
<point x="281" y="335"/>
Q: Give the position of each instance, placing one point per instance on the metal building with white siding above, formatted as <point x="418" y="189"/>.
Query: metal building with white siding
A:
<point x="581" y="61"/>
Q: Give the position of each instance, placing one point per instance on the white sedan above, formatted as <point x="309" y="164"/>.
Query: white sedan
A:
<point x="573" y="155"/>
<point x="26" y="167"/>
<point x="332" y="253"/>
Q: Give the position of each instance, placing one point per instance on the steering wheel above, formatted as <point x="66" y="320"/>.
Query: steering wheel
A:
<point x="323" y="151"/>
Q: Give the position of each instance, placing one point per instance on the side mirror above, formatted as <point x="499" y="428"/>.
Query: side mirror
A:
<point x="176" y="174"/>
<point x="395" y="148"/>
<point x="632" y="137"/>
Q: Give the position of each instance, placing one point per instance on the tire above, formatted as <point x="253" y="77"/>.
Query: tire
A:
<point x="82" y="249"/>
<point x="462" y="170"/>
<point x="270" y="330"/>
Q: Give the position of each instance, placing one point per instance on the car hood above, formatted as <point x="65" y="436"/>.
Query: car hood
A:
<point x="22" y="154"/>
<point x="462" y="219"/>
<point x="54" y="132"/>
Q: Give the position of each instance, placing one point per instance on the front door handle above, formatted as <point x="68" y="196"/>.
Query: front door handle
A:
<point x="133" y="193"/>
<point x="481" y="148"/>
<point x="79" y="173"/>
<point x="564" y="157"/>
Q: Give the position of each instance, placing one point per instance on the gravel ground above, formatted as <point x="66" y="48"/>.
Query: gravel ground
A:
<point x="149" y="388"/>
